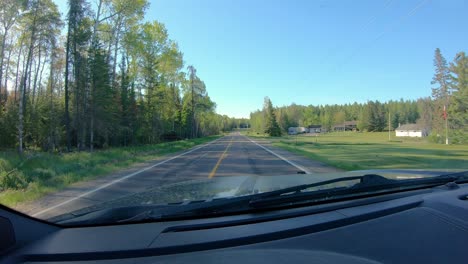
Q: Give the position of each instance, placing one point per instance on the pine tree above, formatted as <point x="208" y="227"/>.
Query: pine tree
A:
<point x="458" y="109"/>
<point x="440" y="93"/>
<point x="377" y="120"/>
<point x="271" y="124"/>
<point x="102" y="101"/>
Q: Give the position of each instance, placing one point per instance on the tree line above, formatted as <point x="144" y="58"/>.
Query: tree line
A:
<point x="370" y="116"/>
<point x="101" y="77"/>
<point x="445" y="110"/>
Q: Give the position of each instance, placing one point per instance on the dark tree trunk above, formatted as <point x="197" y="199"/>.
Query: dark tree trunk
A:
<point x="23" y="87"/>
<point x="17" y="68"/>
<point x="6" y="71"/>
<point x="2" y="54"/>
<point x="67" y="96"/>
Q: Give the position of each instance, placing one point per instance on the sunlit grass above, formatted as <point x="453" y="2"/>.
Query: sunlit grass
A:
<point x="37" y="174"/>
<point x="356" y="151"/>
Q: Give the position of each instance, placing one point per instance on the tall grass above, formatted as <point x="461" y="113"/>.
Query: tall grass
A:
<point x="31" y="176"/>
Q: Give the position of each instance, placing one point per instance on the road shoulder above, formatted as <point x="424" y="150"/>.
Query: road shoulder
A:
<point x="79" y="188"/>
<point x="310" y="165"/>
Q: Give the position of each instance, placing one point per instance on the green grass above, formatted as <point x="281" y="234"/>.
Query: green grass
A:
<point x="359" y="151"/>
<point x="37" y="173"/>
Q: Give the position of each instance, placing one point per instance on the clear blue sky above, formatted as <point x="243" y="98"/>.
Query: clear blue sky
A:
<point x="313" y="52"/>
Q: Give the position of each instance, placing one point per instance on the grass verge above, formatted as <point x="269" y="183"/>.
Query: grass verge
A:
<point x="36" y="174"/>
<point x="359" y="151"/>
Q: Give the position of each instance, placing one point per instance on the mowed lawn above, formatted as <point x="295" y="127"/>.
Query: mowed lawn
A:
<point x="373" y="150"/>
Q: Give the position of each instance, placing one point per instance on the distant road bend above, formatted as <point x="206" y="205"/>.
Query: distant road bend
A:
<point x="227" y="156"/>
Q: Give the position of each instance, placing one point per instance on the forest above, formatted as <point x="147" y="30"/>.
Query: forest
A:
<point x="446" y="107"/>
<point x="102" y="76"/>
<point x="98" y="77"/>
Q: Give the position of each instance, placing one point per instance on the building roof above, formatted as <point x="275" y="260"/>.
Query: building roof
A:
<point x="346" y="123"/>
<point x="410" y="127"/>
<point x="351" y="123"/>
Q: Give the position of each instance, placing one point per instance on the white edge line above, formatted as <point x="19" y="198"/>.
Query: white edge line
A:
<point x="283" y="158"/>
<point x="120" y="179"/>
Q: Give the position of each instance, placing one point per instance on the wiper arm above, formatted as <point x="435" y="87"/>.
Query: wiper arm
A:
<point x="365" y="180"/>
<point x="141" y="213"/>
<point x="235" y="204"/>
<point x="204" y="208"/>
<point x="217" y="207"/>
<point x="368" y="183"/>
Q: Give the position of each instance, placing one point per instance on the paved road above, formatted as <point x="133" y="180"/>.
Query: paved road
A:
<point x="230" y="155"/>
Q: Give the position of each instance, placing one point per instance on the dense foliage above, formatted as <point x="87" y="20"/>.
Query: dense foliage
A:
<point x="110" y="79"/>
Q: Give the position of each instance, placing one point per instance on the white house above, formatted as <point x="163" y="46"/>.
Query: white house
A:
<point x="411" y="130"/>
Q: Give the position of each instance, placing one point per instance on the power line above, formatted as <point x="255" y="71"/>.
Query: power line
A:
<point x="364" y="28"/>
<point x="390" y="27"/>
<point x="374" y="17"/>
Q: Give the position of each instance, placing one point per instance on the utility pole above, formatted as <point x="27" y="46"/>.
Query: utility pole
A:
<point x="446" y="131"/>
<point x="192" y="76"/>
<point x="193" y="108"/>
<point x="446" y="126"/>
<point x="389" y="125"/>
<point x="344" y="124"/>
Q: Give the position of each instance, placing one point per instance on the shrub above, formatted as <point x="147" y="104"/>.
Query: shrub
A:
<point x="42" y="174"/>
<point x="435" y="138"/>
<point x="12" y="180"/>
<point x="170" y="136"/>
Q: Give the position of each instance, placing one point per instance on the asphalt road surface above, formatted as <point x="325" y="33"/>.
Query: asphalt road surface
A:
<point x="227" y="156"/>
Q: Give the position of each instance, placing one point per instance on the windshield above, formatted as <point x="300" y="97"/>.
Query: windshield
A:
<point x="113" y="103"/>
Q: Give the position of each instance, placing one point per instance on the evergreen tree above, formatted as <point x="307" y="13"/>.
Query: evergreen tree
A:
<point x="440" y="92"/>
<point x="271" y="125"/>
<point x="376" y="118"/>
<point x="458" y="109"/>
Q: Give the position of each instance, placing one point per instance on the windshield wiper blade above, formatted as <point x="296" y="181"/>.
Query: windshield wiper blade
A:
<point x="142" y="213"/>
<point x="461" y="176"/>
<point x="370" y="183"/>
<point x="367" y="180"/>
<point x="207" y="208"/>
<point x="249" y="202"/>
<point x="223" y="206"/>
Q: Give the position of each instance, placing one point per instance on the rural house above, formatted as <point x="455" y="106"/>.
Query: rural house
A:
<point x="315" y="128"/>
<point x="346" y="126"/>
<point x="411" y="130"/>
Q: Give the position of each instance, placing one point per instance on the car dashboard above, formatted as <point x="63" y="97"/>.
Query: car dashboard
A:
<point x="421" y="226"/>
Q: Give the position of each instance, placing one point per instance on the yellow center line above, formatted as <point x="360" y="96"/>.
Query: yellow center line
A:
<point x="215" y="168"/>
